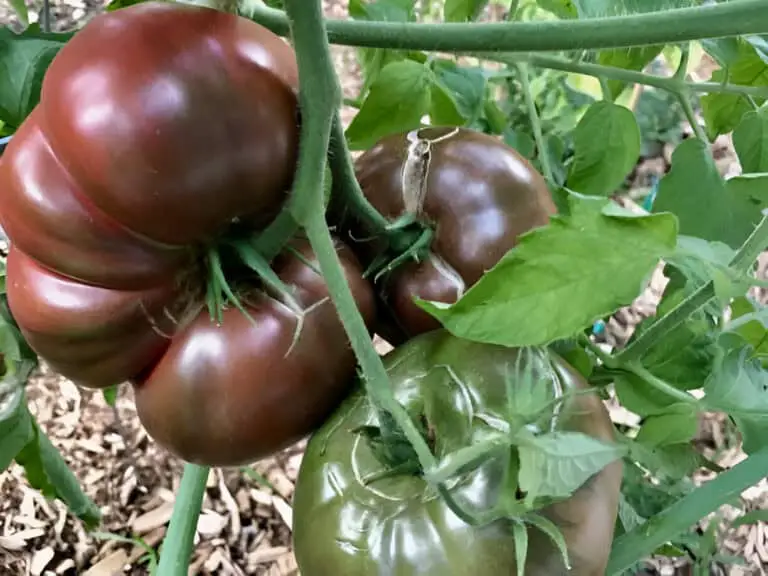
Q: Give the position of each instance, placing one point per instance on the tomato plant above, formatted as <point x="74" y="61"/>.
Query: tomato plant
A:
<point x="379" y="521"/>
<point x="165" y="196"/>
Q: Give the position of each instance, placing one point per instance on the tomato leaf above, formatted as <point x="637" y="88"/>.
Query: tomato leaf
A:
<point x="672" y="463"/>
<point x="16" y="429"/>
<point x="738" y="385"/>
<point x="544" y="289"/>
<point x="397" y="101"/>
<point x="444" y="110"/>
<point x="676" y="425"/>
<point x="750" y="321"/>
<point x="373" y="60"/>
<point x="20" y="7"/>
<point x="750" y="139"/>
<point x="751" y="517"/>
<point x="560" y="8"/>
<point x="463" y="10"/>
<point x="607" y="144"/>
<point x="47" y="471"/>
<point x="733" y="208"/>
<point x="628" y="58"/>
<point x="558" y="463"/>
<point x="521" y="545"/>
<point x="636" y="395"/>
<point x="24" y="59"/>
<point x="467" y="86"/>
<point x="552" y="531"/>
<point x="723" y="112"/>
<point x="110" y="395"/>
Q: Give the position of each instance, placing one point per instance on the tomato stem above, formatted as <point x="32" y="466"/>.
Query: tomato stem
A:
<point x="320" y="97"/>
<point x="670" y="84"/>
<point x="742" y="262"/>
<point x="177" y="547"/>
<point x="533" y="116"/>
<point x="669" y="26"/>
<point x="346" y="187"/>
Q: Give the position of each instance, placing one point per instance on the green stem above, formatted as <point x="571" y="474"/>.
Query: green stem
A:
<point x="742" y="261"/>
<point x="661" y="27"/>
<point x="685" y="102"/>
<point x="177" y="547"/>
<point x="680" y="516"/>
<point x="320" y="95"/>
<point x="346" y="184"/>
<point x="671" y="84"/>
<point x="533" y="117"/>
<point x="659" y="384"/>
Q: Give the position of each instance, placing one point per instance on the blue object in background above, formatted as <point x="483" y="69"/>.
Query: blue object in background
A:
<point x="4" y="143"/>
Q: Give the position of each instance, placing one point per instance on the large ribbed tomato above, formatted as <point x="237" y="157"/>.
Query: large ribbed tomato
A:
<point x="478" y="196"/>
<point x="163" y="129"/>
<point x="159" y="126"/>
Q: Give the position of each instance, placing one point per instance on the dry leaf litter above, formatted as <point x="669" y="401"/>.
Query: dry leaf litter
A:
<point x="245" y="524"/>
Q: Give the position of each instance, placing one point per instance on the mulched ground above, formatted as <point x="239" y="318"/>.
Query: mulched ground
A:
<point x="245" y="524"/>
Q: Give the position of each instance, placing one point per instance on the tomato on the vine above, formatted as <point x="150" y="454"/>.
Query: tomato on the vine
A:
<point x="478" y="196"/>
<point x="251" y="386"/>
<point x="352" y="519"/>
<point x="164" y="133"/>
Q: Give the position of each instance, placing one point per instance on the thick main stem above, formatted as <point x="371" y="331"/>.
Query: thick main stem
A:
<point x="650" y="28"/>
<point x="320" y="96"/>
<point x="177" y="547"/>
<point x="742" y="261"/>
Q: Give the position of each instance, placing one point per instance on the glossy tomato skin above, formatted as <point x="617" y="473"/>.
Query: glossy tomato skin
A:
<point x="396" y="526"/>
<point x="478" y="194"/>
<point x="97" y="336"/>
<point x="225" y="395"/>
<point x="163" y="110"/>
<point x="160" y="126"/>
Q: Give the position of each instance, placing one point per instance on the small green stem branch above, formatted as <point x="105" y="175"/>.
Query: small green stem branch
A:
<point x="670" y="84"/>
<point x="320" y="96"/>
<point x="533" y="116"/>
<point x="742" y="261"/>
<point x="177" y="547"/>
<point x="684" y="98"/>
<point x="662" y="27"/>
<point x="346" y="185"/>
<point x="647" y="537"/>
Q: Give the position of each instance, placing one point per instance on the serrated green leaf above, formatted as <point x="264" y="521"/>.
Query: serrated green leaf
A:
<point x="671" y="463"/>
<point x="463" y="10"/>
<point x="520" y="141"/>
<point x="24" y="59"/>
<point x="444" y="111"/>
<point x="16" y="429"/>
<point x="676" y="425"/>
<point x="47" y="471"/>
<point x="750" y="139"/>
<point x="628" y="58"/>
<point x="607" y="144"/>
<point x="558" y="463"/>
<point x="738" y="385"/>
<point x="520" y="534"/>
<point x="751" y="517"/>
<point x="544" y="288"/>
<point x="733" y="208"/>
<point x="20" y="7"/>
<point x="750" y="321"/>
<point x="466" y="85"/>
<point x="723" y="112"/>
<point x="397" y="101"/>
<point x="725" y="51"/>
<point x="560" y="8"/>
